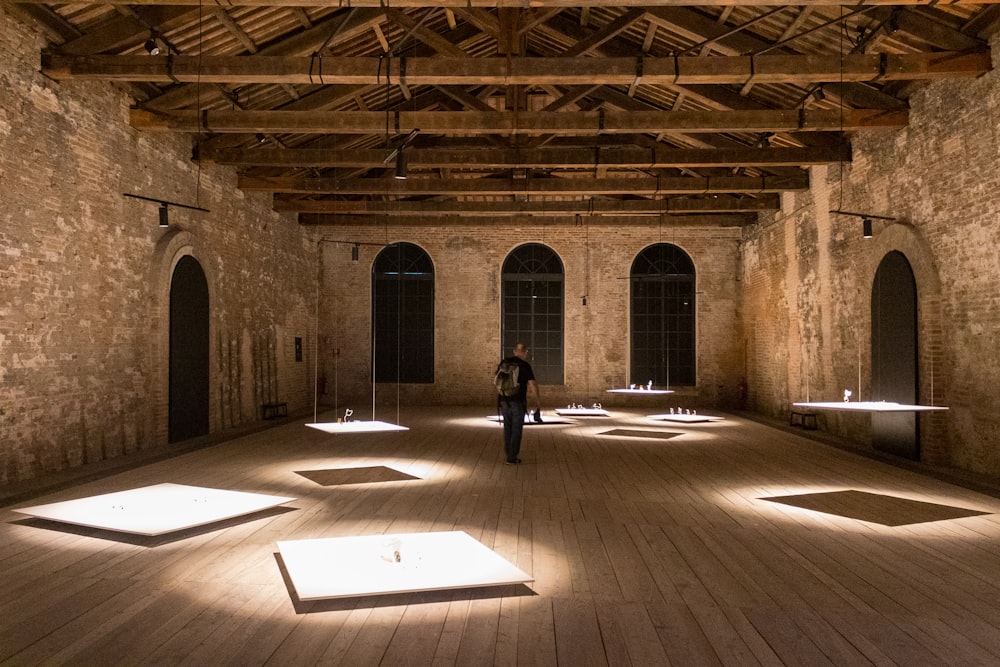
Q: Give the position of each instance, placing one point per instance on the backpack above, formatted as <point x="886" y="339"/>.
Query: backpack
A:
<point x="506" y="378"/>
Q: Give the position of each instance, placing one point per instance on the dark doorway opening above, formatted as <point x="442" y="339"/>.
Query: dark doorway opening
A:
<point x="188" y="407"/>
<point x="894" y="356"/>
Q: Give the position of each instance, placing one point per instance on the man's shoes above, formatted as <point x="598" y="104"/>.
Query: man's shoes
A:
<point x="512" y="462"/>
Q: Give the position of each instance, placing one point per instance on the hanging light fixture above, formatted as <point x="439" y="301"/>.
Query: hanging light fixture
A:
<point x="402" y="163"/>
<point x="164" y="221"/>
<point x="151" y="45"/>
<point x="866" y="228"/>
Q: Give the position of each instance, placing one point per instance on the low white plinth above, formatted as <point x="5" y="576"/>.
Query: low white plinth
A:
<point x="155" y="510"/>
<point x="582" y="412"/>
<point x="651" y="392"/>
<point x="869" y="406"/>
<point x="686" y="419"/>
<point x="338" y="567"/>
<point x="357" y="427"/>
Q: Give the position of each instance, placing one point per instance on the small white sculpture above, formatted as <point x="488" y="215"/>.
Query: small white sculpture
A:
<point x="347" y="415"/>
<point x="650" y="385"/>
<point x="847" y="395"/>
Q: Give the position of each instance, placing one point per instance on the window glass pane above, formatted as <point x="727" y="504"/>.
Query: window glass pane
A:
<point x="403" y="315"/>
<point x="663" y="323"/>
<point x="532" y="299"/>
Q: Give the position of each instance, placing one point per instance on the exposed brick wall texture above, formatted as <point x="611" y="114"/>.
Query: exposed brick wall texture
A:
<point x="85" y="273"/>
<point x="468" y="261"/>
<point x="939" y="178"/>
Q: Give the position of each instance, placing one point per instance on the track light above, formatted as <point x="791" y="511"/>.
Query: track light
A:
<point x="764" y="140"/>
<point x="261" y="138"/>
<point x="818" y="94"/>
<point x="866" y="228"/>
<point x="152" y="48"/>
<point x="164" y="222"/>
<point x="402" y="162"/>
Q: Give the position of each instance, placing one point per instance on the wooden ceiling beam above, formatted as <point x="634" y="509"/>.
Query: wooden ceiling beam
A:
<point x="689" y="220"/>
<point x="728" y="70"/>
<point x="470" y="123"/>
<point x="588" y="206"/>
<point x="562" y="158"/>
<point x="482" y="187"/>
<point x="494" y="4"/>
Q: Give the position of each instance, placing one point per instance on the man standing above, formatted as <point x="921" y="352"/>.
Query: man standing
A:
<point x="514" y="407"/>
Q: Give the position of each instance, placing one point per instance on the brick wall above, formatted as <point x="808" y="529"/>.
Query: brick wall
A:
<point x="808" y="274"/>
<point x="85" y="275"/>
<point x="468" y="260"/>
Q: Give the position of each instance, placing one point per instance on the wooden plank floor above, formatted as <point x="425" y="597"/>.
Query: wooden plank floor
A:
<point x="645" y="551"/>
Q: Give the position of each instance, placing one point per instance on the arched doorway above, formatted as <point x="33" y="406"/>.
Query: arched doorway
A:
<point x="188" y="407"/>
<point x="894" y="355"/>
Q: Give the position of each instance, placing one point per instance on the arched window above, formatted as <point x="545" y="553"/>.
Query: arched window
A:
<point x="532" y="309"/>
<point x="403" y="315"/>
<point x="663" y="317"/>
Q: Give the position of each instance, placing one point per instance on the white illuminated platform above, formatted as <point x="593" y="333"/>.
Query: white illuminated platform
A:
<point x="155" y="510"/>
<point x="651" y="392"/>
<point x="869" y="406"/>
<point x="582" y="412"/>
<point x="546" y="419"/>
<point x="357" y="427"/>
<point x="686" y="419"/>
<point x="338" y="567"/>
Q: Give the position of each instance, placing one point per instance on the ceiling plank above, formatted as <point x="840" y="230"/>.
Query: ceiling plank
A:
<point x="529" y="123"/>
<point x="700" y="70"/>
<point x="482" y="187"/>
<point x="688" y="220"/>
<point x="493" y="4"/>
<point x="586" y="206"/>
<point x="564" y="158"/>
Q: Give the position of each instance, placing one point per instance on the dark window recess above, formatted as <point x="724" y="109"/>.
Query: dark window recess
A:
<point x="532" y="309"/>
<point x="403" y="315"/>
<point x="663" y="317"/>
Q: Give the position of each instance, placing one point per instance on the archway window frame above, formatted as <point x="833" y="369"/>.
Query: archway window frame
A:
<point x="663" y="317"/>
<point x="533" y="309"/>
<point x="403" y="315"/>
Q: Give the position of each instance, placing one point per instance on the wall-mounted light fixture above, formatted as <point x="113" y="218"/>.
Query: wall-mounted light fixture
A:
<point x="866" y="228"/>
<point x="164" y="215"/>
<point x="355" y="252"/>
<point x="867" y="221"/>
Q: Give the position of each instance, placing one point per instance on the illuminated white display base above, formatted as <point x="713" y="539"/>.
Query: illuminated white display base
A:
<point x="546" y="419"/>
<point x="652" y="392"/>
<point x="339" y="567"/>
<point x="155" y="510"/>
<point x="686" y="419"/>
<point x="869" y="406"/>
<point x="357" y="427"/>
<point x="582" y="412"/>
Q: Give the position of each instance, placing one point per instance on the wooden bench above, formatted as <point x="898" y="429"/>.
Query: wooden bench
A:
<point x="275" y="410"/>
<point x="802" y="418"/>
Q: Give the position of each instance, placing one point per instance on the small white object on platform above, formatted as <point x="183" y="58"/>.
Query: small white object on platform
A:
<point x="641" y="391"/>
<point x="357" y="427"/>
<point x="338" y="567"/>
<point x="155" y="510"/>
<point x="869" y="406"/>
<point x="686" y="419"/>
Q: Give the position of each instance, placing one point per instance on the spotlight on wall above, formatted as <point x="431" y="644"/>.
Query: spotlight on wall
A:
<point x="355" y="252"/>
<point x="402" y="163"/>
<point x="866" y="228"/>
<point x="261" y="138"/>
<point x="164" y="221"/>
<point x="583" y="300"/>
<point x="152" y="48"/>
